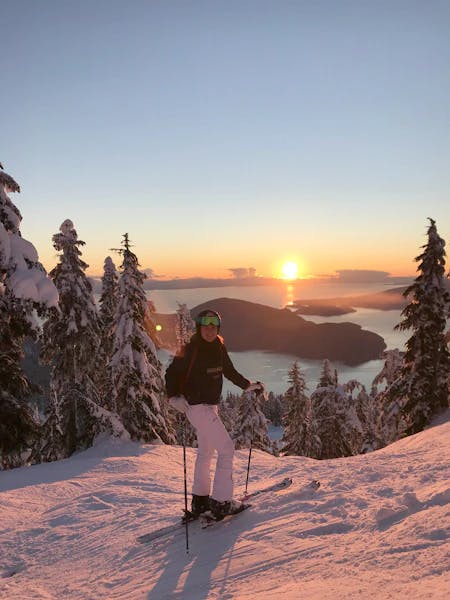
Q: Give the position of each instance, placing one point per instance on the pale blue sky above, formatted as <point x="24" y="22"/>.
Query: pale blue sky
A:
<point x="230" y="134"/>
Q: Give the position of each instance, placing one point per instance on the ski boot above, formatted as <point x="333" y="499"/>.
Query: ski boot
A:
<point x="199" y="505"/>
<point x="219" y="510"/>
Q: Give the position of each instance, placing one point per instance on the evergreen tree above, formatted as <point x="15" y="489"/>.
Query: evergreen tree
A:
<point x="392" y="421"/>
<point x="25" y="291"/>
<point x="184" y="327"/>
<point x="328" y="409"/>
<point x="360" y="419"/>
<point x="71" y="345"/>
<point x="150" y="322"/>
<point x="274" y="408"/>
<point x="328" y="376"/>
<point x="297" y="419"/>
<point x="343" y="416"/>
<point x="229" y="410"/>
<point x="423" y="383"/>
<point x="108" y="307"/>
<point x="251" y="425"/>
<point x="388" y="399"/>
<point x="393" y="360"/>
<point x="137" y="384"/>
<point x="183" y="429"/>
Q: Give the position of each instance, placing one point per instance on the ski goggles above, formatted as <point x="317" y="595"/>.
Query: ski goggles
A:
<point x="209" y="320"/>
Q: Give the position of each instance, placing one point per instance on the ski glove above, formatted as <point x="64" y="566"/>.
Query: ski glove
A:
<point x="257" y="387"/>
<point x="179" y="403"/>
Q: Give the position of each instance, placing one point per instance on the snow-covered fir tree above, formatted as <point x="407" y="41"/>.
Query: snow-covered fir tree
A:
<point x="137" y="384"/>
<point x="274" y="408"/>
<point x="328" y="413"/>
<point x="25" y="291"/>
<point x="388" y="401"/>
<point x="297" y="417"/>
<point x="328" y="375"/>
<point x="422" y="386"/>
<point x="393" y="360"/>
<point x="343" y="416"/>
<point x="184" y="327"/>
<point x="71" y="343"/>
<point x="251" y="425"/>
<point x="229" y="410"/>
<point x="184" y="431"/>
<point x="108" y="307"/>
<point x="150" y="323"/>
<point x="361" y="418"/>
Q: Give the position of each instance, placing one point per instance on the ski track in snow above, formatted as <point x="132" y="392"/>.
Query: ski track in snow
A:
<point x="378" y="527"/>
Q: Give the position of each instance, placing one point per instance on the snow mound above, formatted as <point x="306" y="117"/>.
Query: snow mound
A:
<point x="378" y="527"/>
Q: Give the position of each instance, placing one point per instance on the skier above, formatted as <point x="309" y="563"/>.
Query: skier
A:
<point x="194" y="385"/>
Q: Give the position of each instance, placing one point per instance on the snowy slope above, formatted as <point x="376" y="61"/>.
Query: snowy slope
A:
<point x="378" y="527"/>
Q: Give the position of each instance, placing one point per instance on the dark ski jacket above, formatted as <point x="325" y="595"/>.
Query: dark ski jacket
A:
<point x="197" y="373"/>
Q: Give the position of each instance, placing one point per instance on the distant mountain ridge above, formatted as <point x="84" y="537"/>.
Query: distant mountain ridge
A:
<point x="186" y="283"/>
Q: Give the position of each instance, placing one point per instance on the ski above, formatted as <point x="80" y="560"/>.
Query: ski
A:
<point x="159" y="533"/>
<point x="209" y="521"/>
<point x="275" y="487"/>
<point x="146" y="538"/>
<point x="173" y="528"/>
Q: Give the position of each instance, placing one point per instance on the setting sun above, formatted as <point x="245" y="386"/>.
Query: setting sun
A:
<point x="290" y="270"/>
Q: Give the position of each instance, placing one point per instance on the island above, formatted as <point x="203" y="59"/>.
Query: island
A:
<point x="392" y="299"/>
<point x="249" y="326"/>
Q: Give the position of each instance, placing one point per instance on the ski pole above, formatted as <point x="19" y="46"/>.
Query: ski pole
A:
<point x="257" y="393"/>
<point x="248" y="465"/>
<point x="185" y="487"/>
<point x="249" y="454"/>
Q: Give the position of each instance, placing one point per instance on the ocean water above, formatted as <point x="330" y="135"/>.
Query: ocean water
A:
<point x="272" y="368"/>
<point x="278" y="295"/>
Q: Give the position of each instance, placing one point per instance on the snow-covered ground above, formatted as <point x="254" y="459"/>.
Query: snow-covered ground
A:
<point x="378" y="527"/>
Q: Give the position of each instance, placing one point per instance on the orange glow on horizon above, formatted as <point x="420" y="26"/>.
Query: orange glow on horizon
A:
<point x="315" y="269"/>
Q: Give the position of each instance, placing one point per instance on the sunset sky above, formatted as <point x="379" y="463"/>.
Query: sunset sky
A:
<point x="230" y="134"/>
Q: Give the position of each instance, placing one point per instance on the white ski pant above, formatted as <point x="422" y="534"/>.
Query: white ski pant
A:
<point x="212" y="435"/>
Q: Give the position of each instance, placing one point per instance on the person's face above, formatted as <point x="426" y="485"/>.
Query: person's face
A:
<point x="209" y="332"/>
